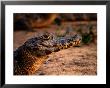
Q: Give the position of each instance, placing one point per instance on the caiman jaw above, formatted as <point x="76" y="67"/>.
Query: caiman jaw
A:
<point x="77" y="42"/>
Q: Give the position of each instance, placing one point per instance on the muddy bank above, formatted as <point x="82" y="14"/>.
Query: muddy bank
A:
<point x="72" y="61"/>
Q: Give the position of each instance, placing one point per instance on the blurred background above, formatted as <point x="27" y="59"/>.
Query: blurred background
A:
<point x="59" y="23"/>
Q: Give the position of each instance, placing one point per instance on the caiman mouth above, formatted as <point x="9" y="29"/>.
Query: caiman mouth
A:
<point x="77" y="39"/>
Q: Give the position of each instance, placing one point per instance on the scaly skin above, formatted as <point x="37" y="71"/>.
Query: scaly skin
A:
<point x="34" y="52"/>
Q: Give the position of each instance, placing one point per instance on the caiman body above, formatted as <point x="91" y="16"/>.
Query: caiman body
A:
<point x="34" y="52"/>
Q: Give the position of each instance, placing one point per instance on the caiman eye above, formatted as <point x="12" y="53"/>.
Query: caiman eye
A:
<point x="48" y="37"/>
